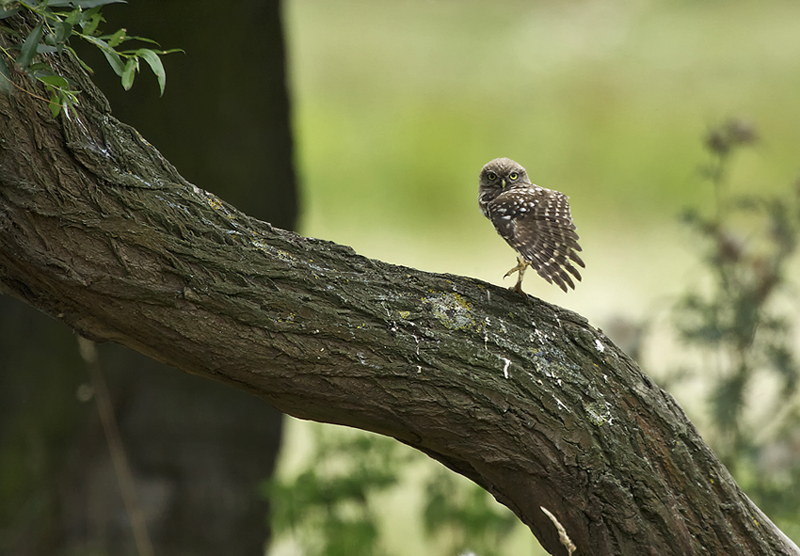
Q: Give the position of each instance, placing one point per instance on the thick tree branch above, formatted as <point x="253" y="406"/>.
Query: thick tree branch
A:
<point x="526" y="399"/>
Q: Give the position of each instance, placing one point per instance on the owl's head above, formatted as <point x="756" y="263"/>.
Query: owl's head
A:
<point x="501" y="174"/>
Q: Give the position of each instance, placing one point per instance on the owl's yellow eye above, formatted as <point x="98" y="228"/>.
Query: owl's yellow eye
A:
<point x="491" y="176"/>
<point x="513" y="176"/>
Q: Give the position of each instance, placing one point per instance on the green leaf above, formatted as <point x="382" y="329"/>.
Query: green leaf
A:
<point x="28" y="50"/>
<point x="97" y="41"/>
<point x="129" y="73"/>
<point x="63" y="32"/>
<point x="5" y="77"/>
<point x="142" y="39"/>
<point x="73" y="17"/>
<point x="54" y="105"/>
<point x="83" y="64"/>
<point x="116" y="38"/>
<point x="155" y="64"/>
<point x="39" y="69"/>
<point x="55" y="80"/>
<point x="5" y="11"/>
<point x="90" y="20"/>
<point x="115" y="61"/>
<point x="83" y="4"/>
<point x="111" y="55"/>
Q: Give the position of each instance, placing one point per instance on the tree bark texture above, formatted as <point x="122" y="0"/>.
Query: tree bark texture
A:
<point x="525" y="398"/>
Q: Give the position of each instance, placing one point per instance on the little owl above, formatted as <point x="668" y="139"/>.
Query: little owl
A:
<point x="535" y="221"/>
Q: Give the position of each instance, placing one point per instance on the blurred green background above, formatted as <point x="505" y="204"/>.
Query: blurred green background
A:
<point x="397" y="106"/>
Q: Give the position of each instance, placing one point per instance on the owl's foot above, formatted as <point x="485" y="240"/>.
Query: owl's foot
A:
<point x="522" y="264"/>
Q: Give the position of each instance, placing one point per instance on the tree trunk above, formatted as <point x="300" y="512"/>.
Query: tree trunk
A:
<point x="185" y="443"/>
<point x="526" y="399"/>
<point x="234" y="106"/>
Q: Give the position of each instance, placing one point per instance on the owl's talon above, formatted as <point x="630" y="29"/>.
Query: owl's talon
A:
<point x="517" y="268"/>
<point x="522" y="264"/>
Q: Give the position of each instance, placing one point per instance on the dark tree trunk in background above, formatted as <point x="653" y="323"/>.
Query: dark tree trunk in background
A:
<point x="198" y="449"/>
<point x="223" y="121"/>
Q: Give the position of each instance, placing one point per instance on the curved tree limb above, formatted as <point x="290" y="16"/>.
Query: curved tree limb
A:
<point x="524" y="398"/>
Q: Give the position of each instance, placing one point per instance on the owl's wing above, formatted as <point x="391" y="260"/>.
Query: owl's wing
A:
<point x="537" y="223"/>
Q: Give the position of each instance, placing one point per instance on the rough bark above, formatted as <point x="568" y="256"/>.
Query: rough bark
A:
<point x="525" y="398"/>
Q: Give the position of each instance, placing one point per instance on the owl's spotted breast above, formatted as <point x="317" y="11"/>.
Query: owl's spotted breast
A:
<point x="534" y="220"/>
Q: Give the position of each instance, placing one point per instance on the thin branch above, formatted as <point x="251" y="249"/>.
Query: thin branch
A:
<point x="562" y="533"/>
<point x="122" y="469"/>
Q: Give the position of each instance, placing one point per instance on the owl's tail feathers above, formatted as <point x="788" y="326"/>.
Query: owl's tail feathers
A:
<point x="576" y="259"/>
<point x="567" y="266"/>
<point x="574" y="271"/>
<point x="561" y="280"/>
<point x="557" y="271"/>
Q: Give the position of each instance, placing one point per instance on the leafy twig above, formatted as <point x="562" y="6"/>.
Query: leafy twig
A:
<point x="57" y="22"/>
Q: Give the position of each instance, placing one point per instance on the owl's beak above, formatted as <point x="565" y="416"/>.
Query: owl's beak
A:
<point x="503" y="183"/>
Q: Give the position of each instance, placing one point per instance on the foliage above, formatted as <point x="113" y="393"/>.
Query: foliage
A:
<point x="332" y="508"/>
<point x="328" y="506"/>
<point x="465" y="513"/>
<point x="742" y="323"/>
<point x="56" y="21"/>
